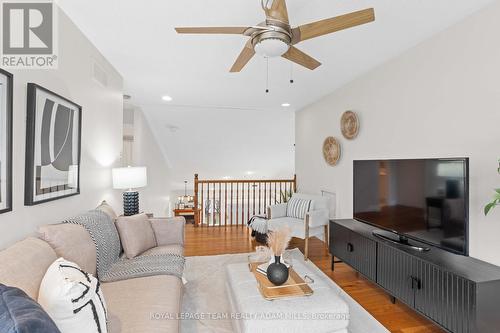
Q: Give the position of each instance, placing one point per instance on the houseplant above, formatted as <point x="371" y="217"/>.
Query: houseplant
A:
<point x="285" y="196"/>
<point x="496" y="197"/>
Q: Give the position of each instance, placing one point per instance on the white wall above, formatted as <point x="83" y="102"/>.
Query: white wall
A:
<point x="440" y="99"/>
<point x="101" y="132"/>
<point x="223" y="142"/>
<point x="155" y="198"/>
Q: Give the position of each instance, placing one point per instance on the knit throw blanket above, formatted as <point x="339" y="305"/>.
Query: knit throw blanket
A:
<point x="258" y="223"/>
<point x="110" y="267"/>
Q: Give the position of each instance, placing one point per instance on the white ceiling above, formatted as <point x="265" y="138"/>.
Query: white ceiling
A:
<point x="138" y="38"/>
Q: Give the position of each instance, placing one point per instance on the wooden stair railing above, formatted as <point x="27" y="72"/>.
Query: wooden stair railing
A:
<point x="234" y="202"/>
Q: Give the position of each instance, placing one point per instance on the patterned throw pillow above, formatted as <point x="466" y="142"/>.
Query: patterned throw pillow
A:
<point x="298" y="208"/>
<point x="73" y="299"/>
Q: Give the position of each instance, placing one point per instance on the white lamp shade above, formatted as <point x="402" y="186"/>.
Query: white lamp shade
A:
<point x="131" y="177"/>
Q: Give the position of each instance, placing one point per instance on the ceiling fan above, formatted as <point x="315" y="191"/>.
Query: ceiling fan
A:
<point x="275" y="38"/>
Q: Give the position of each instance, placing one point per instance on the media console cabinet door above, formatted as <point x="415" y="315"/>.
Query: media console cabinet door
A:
<point x="395" y="270"/>
<point x="355" y="250"/>
<point x="444" y="297"/>
<point x="339" y="239"/>
<point x="363" y="257"/>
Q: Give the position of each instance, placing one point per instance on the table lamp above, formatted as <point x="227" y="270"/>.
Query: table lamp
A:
<point x="130" y="178"/>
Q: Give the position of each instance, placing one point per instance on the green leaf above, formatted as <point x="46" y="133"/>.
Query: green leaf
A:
<point x="497" y="190"/>
<point x="489" y="207"/>
<point x="496" y="196"/>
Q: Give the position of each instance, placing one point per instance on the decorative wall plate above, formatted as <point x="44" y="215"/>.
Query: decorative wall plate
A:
<point x="331" y="151"/>
<point x="349" y="125"/>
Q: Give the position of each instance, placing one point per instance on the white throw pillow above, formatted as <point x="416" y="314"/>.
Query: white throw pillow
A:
<point x="73" y="299"/>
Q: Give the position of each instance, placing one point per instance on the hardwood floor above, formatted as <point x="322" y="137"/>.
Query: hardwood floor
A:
<point x="397" y="318"/>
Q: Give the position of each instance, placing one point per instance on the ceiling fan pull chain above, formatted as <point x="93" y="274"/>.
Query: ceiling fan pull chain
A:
<point x="291" y="72"/>
<point x="267" y="75"/>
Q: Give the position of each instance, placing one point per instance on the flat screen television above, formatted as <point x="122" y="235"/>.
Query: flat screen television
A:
<point x="419" y="199"/>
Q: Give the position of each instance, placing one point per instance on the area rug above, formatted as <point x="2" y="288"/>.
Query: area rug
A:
<point x="206" y="309"/>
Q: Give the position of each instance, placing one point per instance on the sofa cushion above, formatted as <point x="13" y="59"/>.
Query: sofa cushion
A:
<point x="144" y="305"/>
<point x="168" y="231"/>
<point x="106" y="208"/>
<point x="298" y="207"/>
<point x="136" y="234"/>
<point x="297" y="226"/>
<point x="21" y="314"/>
<point x="72" y="242"/>
<point x="73" y="299"/>
<point x="24" y="264"/>
<point x="175" y="249"/>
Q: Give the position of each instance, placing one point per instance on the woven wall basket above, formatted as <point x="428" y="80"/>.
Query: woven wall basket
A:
<point x="331" y="151"/>
<point x="349" y="124"/>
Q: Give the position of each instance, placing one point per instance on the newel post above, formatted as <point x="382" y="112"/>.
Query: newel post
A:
<point x="196" y="211"/>
<point x="294" y="183"/>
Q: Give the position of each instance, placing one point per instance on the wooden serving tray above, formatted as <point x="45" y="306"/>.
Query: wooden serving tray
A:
<point x="295" y="286"/>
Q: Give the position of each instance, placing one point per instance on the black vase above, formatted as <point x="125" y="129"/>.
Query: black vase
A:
<point x="277" y="272"/>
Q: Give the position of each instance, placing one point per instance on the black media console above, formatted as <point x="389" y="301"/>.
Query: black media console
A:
<point x="459" y="293"/>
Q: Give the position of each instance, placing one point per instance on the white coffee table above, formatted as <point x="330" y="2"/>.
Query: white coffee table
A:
<point x="323" y="312"/>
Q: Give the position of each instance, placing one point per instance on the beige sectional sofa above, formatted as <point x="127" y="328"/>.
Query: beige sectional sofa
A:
<point x="141" y="305"/>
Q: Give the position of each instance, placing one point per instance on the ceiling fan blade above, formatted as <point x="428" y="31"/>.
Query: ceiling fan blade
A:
<point x="324" y="27"/>
<point x="299" y="57"/>
<point x="246" y="54"/>
<point x="213" y="30"/>
<point x="278" y="11"/>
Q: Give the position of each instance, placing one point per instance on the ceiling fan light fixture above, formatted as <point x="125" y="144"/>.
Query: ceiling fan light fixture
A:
<point x="271" y="47"/>
<point x="272" y="43"/>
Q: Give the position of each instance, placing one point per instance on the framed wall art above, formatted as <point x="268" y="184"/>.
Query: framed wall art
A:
<point x="53" y="146"/>
<point x="6" y="92"/>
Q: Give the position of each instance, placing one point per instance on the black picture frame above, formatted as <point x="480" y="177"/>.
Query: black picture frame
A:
<point x="57" y="105"/>
<point x="7" y="207"/>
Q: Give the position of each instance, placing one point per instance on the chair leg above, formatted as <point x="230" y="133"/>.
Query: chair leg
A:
<point x="306" y="245"/>
<point x="327" y="235"/>
<point x="306" y="249"/>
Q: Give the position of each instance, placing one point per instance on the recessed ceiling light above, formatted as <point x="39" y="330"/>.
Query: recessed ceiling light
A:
<point x="249" y="173"/>
<point x="167" y="98"/>
<point x="172" y="128"/>
<point x="285" y="105"/>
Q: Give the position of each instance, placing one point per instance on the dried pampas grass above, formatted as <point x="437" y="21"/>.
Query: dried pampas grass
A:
<point x="278" y="240"/>
<point x="262" y="254"/>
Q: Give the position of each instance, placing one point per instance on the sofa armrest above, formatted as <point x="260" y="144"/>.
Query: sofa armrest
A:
<point x="276" y="211"/>
<point x="168" y="231"/>
<point x="318" y="218"/>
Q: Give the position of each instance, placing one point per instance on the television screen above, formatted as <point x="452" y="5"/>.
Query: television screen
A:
<point x="425" y="199"/>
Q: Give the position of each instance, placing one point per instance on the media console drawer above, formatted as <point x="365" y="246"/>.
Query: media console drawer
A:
<point x="459" y="293"/>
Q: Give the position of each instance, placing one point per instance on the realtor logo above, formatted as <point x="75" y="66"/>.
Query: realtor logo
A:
<point x="28" y="34"/>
